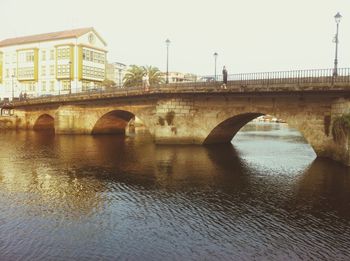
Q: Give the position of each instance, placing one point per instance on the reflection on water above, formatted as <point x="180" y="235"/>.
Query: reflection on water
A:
<point x="265" y="197"/>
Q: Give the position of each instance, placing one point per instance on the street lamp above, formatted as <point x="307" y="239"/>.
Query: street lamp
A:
<point x="337" y="18"/>
<point x="215" y="58"/>
<point x="167" y="42"/>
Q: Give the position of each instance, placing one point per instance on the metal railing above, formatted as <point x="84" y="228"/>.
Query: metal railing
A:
<point x="209" y="83"/>
<point x="287" y="77"/>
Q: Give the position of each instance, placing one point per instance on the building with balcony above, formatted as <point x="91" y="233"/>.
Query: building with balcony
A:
<point x="54" y="63"/>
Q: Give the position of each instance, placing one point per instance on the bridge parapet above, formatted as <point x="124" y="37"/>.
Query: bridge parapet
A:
<point x="276" y="85"/>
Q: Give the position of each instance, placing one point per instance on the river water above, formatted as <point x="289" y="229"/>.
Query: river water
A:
<point x="265" y="197"/>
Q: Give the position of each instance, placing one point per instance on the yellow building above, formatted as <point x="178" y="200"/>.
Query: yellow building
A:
<point x="50" y="64"/>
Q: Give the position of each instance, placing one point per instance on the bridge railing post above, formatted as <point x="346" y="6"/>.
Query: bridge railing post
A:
<point x="323" y="75"/>
<point x="328" y="76"/>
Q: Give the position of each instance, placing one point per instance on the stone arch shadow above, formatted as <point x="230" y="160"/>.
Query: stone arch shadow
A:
<point x="44" y="122"/>
<point x="114" y="122"/>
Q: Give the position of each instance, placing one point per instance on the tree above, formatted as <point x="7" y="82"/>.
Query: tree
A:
<point x="155" y="76"/>
<point x="133" y="76"/>
<point x="108" y="84"/>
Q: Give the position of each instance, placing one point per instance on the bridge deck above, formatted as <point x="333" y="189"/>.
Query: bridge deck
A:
<point x="269" y="86"/>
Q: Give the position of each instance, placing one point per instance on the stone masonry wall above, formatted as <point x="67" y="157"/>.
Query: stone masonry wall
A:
<point x="189" y="119"/>
<point x="341" y="150"/>
<point x="173" y="120"/>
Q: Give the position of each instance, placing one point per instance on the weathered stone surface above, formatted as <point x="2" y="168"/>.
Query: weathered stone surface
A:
<point x="193" y="119"/>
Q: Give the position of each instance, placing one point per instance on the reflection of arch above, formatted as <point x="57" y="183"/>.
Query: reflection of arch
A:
<point x="45" y="122"/>
<point x="226" y="130"/>
<point x="113" y="122"/>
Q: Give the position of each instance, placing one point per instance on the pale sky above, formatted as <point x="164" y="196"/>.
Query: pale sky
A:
<point x="248" y="35"/>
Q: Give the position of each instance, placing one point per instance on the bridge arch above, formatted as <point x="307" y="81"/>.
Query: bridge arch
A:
<point x="44" y="122"/>
<point x="227" y="129"/>
<point x="113" y="122"/>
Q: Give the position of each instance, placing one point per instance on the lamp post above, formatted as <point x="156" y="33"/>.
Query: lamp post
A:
<point x="215" y="58"/>
<point x="167" y="42"/>
<point x="337" y="18"/>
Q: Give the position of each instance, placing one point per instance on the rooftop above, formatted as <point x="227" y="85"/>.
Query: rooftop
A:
<point x="46" y="37"/>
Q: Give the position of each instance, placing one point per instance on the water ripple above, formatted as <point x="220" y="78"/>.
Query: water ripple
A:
<point x="109" y="198"/>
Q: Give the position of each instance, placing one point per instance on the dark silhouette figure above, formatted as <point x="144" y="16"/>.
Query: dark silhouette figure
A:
<point x="224" y="78"/>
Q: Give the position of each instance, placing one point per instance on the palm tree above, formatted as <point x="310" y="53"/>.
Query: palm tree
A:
<point x="133" y="76"/>
<point x="155" y="76"/>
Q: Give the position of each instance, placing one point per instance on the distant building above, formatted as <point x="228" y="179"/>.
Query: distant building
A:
<point x="180" y="77"/>
<point x="115" y="72"/>
<point x="54" y="63"/>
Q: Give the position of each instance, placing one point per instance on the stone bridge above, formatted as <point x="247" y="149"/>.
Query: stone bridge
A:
<point x="199" y="113"/>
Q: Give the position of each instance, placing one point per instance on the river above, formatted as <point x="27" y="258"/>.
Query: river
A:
<point x="263" y="197"/>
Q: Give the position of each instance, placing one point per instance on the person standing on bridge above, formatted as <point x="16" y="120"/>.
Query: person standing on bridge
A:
<point x="224" y="78"/>
<point x="145" y="82"/>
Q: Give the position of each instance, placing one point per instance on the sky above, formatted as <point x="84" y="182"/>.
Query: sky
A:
<point x="249" y="35"/>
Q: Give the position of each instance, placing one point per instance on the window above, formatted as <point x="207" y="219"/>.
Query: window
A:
<point x="85" y="86"/>
<point x="43" y="70"/>
<point x="52" y="70"/>
<point x="52" y="86"/>
<point x="14" y="72"/>
<point x="31" y="86"/>
<point x="63" y="53"/>
<point x="30" y="57"/>
<point x="43" y="55"/>
<point x="66" y="85"/>
<point x="52" y="54"/>
<point x="88" y="55"/>
<point x="25" y="73"/>
<point x="43" y="86"/>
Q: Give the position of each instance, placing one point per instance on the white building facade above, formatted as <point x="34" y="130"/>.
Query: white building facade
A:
<point x="176" y="77"/>
<point x="116" y="72"/>
<point x="52" y="64"/>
